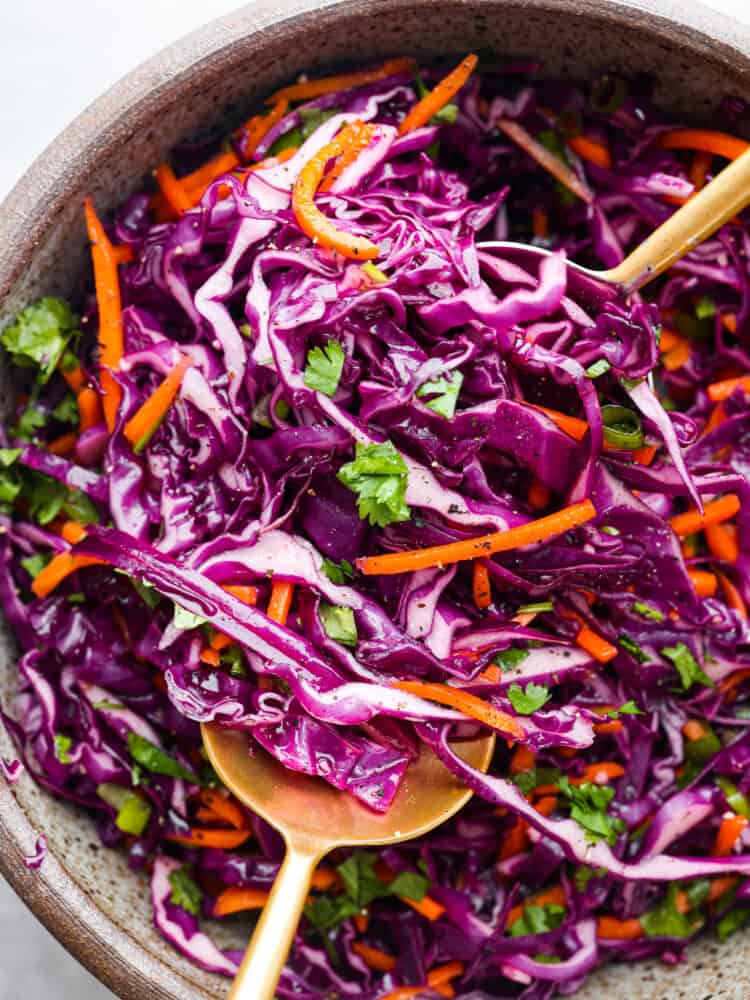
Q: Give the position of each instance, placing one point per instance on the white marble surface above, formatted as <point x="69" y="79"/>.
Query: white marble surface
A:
<point x="55" y="58"/>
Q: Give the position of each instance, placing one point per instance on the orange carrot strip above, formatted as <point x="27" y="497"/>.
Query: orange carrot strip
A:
<point x="599" y="648"/>
<point x="705" y="140"/>
<point x="465" y="702"/>
<point x="426" y="907"/>
<point x="644" y="455"/>
<point x="361" y="922"/>
<point x="259" y="126"/>
<point x="123" y="253"/>
<point x="694" y="730"/>
<point x="60" y="567"/>
<point x="146" y="420"/>
<point x="481" y="585"/>
<point x="591" y="150"/>
<point x="720" y="885"/>
<point x="699" y="168"/>
<point x="540" y="223"/>
<point x="72" y="532"/>
<point x="63" y="445"/>
<point x="719" y="391"/>
<point x="600" y="773"/>
<point x="280" y="602"/>
<point x="374" y="958"/>
<point x="443" y="92"/>
<point x="515" y="841"/>
<point x="222" y="164"/>
<point x="729" y="685"/>
<point x="210" y="656"/>
<point x="231" y="812"/>
<point x="555" y="895"/>
<point x="243" y="592"/>
<point x="224" y="839"/>
<point x="677" y="357"/>
<point x="531" y="533"/>
<point x="539" y="496"/>
<point x="522" y="760"/>
<point x="310" y="219"/>
<point x="704" y="583"/>
<point x="74" y="377"/>
<point x="731" y="595"/>
<point x="324" y="877"/>
<point x="173" y="190"/>
<point x="219" y="641"/>
<point x="669" y="339"/>
<point x="729" y="321"/>
<point x="614" y="929"/>
<point x="444" y="973"/>
<point x="547" y="805"/>
<point x="235" y="900"/>
<point x="722" y="542"/>
<point x="546" y="159"/>
<point x="573" y="426"/>
<point x="107" y="286"/>
<point x="605" y="728"/>
<point x="89" y="409"/>
<point x="717" y="418"/>
<point x="714" y="512"/>
<point x="343" y="81"/>
<point x="727" y="834"/>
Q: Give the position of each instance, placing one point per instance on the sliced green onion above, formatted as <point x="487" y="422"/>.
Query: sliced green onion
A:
<point x="535" y="609"/>
<point x="622" y="427"/>
<point x="735" y="799"/>
<point x="598" y="368"/>
<point x="133" y="812"/>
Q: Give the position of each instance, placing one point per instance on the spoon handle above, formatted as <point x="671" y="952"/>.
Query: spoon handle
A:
<point x="267" y="952"/>
<point x="699" y="218"/>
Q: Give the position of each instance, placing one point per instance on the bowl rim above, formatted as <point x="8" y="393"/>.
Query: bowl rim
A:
<point x="30" y="211"/>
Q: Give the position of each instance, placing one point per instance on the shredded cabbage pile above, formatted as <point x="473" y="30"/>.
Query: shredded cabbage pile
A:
<point x="280" y="411"/>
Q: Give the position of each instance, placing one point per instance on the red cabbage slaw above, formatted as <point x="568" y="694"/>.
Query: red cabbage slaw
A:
<point x="223" y="489"/>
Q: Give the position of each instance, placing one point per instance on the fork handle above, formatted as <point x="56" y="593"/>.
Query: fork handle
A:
<point x="699" y="218"/>
<point x="267" y="952"/>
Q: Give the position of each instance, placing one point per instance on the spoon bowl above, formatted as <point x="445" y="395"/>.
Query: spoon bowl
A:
<point x="314" y="818"/>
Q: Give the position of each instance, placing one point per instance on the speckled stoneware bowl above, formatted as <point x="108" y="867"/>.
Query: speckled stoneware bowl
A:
<point x="84" y="893"/>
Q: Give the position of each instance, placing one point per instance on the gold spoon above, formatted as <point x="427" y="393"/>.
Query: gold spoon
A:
<point x="314" y="818"/>
<point x="700" y="217"/>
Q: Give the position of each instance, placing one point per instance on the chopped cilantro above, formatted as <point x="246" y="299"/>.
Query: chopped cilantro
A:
<point x="732" y="922"/>
<point x="40" y="334"/>
<point x="66" y="410"/>
<point x="443" y="393"/>
<point x="324" y="367"/>
<point x="632" y="647"/>
<point x="339" y="623"/>
<point x="588" y="807"/>
<point x="529" y="700"/>
<point x="185" y="890"/>
<point x="665" y="920"/>
<point x="686" y="665"/>
<point x="183" y="619"/>
<point x="648" y="611"/>
<point x="63" y="745"/>
<point x="538" y="919"/>
<point x="338" y="572"/>
<point x="378" y="475"/>
<point x="148" y="755"/>
<point x="35" y="564"/>
<point x="508" y="659"/>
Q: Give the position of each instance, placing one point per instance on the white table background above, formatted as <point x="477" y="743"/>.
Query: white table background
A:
<point x="56" y="56"/>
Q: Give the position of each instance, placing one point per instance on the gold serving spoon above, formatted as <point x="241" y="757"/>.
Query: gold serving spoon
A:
<point x="700" y="217"/>
<point x="314" y="818"/>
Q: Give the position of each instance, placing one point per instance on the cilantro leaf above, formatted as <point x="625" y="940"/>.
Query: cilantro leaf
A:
<point x="66" y="410"/>
<point x="324" y="367"/>
<point x="148" y="594"/>
<point x="184" y="619"/>
<point x="46" y="497"/>
<point x="538" y="919"/>
<point x="362" y="885"/>
<point x="647" y="611"/>
<point x="185" y="891"/>
<point x="326" y="912"/>
<point x="10" y="478"/>
<point x="32" y="419"/>
<point x="530" y="700"/>
<point x="148" y="755"/>
<point x="378" y="475"/>
<point x="732" y="922"/>
<point x="80" y="508"/>
<point x="629" y="708"/>
<point x="588" y="807"/>
<point x="35" y="564"/>
<point x="339" y="623"/>
<point x="40" y="334"/>
<point x="665" y="920"/>
<point x="338" y="572"/>
<point x="509" y="659"/>
<point x="443" y="393"/>
<point x="527" y="781"/>
<point x="313" y="118"/>
<point x="686" y="666"/>
<point x="632" y="647"/>
<point x="62" y="748"/>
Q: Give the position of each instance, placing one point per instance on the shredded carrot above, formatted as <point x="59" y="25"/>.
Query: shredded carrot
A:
<point x="532" y="533"/>
<point x="608" y="728"/>
<point x="236" y="899"/>
<point x="341" y="164"/>
<point x="717" y="418"/>
<point x="547" y="805"/>
<point x="540" y="223"/>
<point x="669" y="339"/>
<point x="89" y="409"/>
<point x="515" y="841"/>
<point x="324" y="877"/>
<point x="231" y="812"/>
<point x="374" y="958"/>
<point x="693" y="730"/>
<point x="223" y="839"/>
<point x="714" y="512"/>
<point x="705" y="140"/>
<point x="246" y="593"/>
<point x="481" y="585"/>
<point x="361" y="922"/>
<point x="644" y="455"/>
<point x="210" y="656"/>
<point x="591" y="150"/>
<point x="72" y="532"/>
<point x="199" y="179"/>
<point x="699" y="168"/>
<point x="729" y="321"/>
<point x="219" y="641"/>
<point x="704" y="583"/>
<point x="123" y="253"/>
<point x="599" y="648"/>
<point x="344" y="81"/>
<point x="173" y="190"/>
<point x="729" y="685"/>
<point x="75" y="378"/>
<point x="107" y="286"/>
<point x="280" y="602"/>
<point x="147" y="419"/>
<point x="522" y="760"/>
<point x="465" y="702"/>
<point x="719" y="391"/>
<point x="614" y="929"/>
<point x="677" y="357"/>
<point x="309" y="218"/>
<point x="555" y="896"/>
<point x="573" y="426"/>
<point x="539" y="496"/>
<point x="719" y="886"/>
<point x="600" y="773"/>
<point x="60" y="567"/>
<point x="427" y="907"/>
<point x="731" y="595"/>
<point x="63" y="445"/>
<point x="727" y="835"/>
<point x="546" y="159"/>
<point x="258" y="127"/>
<point x="443" y="92"/>
<point x="444" y="973"/>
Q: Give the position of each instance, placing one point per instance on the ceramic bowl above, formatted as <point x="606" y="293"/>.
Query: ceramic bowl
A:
<point x="84" y="893"/>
